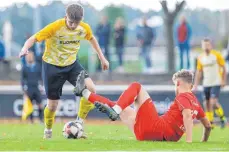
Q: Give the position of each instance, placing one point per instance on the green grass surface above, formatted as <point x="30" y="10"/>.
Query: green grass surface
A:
<point x="101" y="137"/>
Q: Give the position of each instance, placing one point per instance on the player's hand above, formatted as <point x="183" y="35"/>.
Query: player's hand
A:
<point x="105" y="64"/>
<point x="23" y="52"/>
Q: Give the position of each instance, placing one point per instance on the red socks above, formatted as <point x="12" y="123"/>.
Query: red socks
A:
<point x="97" y="98"/>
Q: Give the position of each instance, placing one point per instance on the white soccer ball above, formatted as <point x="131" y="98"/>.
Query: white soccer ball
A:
<point x="73" y="130"/>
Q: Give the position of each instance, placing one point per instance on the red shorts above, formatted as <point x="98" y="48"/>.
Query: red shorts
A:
<point x="150" y="126"/>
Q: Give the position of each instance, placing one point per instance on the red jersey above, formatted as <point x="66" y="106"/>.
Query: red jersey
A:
<point x="182" y="33"/>
<point x="174" y="117"/>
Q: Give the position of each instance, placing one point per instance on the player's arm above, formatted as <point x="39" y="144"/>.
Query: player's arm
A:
<point x="205" y="122"/>
<point x="95" y="45"/>
<point x="198" y="74"/>
<point x="188" y="124"/>
<point x="221" y="62"/>
<point x="224" y="76"/>
<point x="91" y="38"/>
<point x="28" y="44"/>
<point x="207" y="128"/>
<point x="43" y="34"/>
<point x="97" y="48"/>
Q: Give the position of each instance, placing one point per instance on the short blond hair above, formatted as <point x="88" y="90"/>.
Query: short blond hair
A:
<point x="185" y="75"/>
<point x="75" y="12"/>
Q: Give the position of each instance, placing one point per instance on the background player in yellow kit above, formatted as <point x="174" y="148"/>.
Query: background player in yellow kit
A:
<point x="211" y="65"/>
<point x="62" y="40"/>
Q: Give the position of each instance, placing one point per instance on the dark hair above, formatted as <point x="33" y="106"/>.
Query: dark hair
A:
<point x="75" y="12"/>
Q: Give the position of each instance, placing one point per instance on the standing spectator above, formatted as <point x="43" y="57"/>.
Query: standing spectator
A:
<point x="183" y="38"/>
<point x="2" y="51"/>
<point x="5" y="67"/>
<point x="103" y="34"/>
<point x="146" y="36"/>
<point x="119" y="35"/>
<point x="5" y="62"/>
<point x="30" y="80"/>
<point x="227" y="56"/>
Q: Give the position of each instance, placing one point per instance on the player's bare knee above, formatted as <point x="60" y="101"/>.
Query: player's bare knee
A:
<point x="213" y="101"/>
<point x="91" y="89"/>
<point x="142" y="97"/>
<point x="52" y="105"/>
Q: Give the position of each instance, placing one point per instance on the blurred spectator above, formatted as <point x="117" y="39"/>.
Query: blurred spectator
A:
<point x="103" y="33"/>
<point x="183" y="38"/>
<point x="119" y="35"/>
<point x="227" y="56"/>
<point x="30" y="81"/>
<point x="2" y="51"/>
<point x="146" y="36"/>
<point x="6" y="63"/>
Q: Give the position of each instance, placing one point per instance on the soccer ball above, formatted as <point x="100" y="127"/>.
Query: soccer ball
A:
<point x="73" y="130"/>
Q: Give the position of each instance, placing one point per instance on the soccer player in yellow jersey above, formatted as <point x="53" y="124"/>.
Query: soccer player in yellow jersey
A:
<point x="211" y="65"/>
<point x="60" y="63"/>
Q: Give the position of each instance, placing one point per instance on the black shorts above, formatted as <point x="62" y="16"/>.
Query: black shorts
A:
<point x="211" y="92"/>
<point x="54" y="78"/>
<point x="34" y="94"/>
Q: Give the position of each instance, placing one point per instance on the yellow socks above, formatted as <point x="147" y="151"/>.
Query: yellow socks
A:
<point x="49" y="117"/>
<point x="84" y="108"/>
<point x="210" y="116"/>
<point x="219" y="112"/>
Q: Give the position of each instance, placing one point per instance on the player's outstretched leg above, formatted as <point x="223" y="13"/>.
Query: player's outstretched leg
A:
<point x="104" y="104"/>
<point x="126" y="99"/>
<point x="81" y="90"/>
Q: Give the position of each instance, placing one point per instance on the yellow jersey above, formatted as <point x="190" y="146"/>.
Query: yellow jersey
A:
<point x="211" y="66"/>
<point x="62" y="44"/>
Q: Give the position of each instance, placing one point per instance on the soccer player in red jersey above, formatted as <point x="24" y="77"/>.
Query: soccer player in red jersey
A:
<point x="144" y="120"/>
